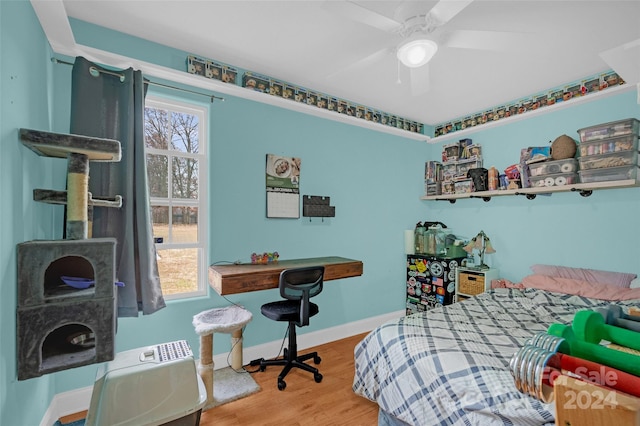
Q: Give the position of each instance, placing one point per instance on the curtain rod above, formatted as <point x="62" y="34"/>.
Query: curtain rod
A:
<point x="94" y="71"/>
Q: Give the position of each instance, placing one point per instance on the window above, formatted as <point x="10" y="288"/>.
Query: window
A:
<point x="175" y="140"/>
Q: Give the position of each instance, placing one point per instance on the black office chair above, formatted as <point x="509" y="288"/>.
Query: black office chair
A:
<point x="297" y="286"/>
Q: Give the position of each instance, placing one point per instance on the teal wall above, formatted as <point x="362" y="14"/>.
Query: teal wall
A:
<point x="374" y="180"/>
<point x="26" y="100"/>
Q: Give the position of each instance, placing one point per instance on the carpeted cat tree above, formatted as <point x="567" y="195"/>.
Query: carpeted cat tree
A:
<point x="66" y="294"/>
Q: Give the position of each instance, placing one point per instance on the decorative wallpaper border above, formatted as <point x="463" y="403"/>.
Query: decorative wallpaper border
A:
<point x="584" y="87"/>
<point x="265" y="84"/>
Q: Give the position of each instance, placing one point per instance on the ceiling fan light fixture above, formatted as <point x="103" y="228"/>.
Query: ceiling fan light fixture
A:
<point x="416" y="52"/>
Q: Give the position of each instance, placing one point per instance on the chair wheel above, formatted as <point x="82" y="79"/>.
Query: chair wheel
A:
<point x="316" y="359"/>
<point x="281" y="384"/>
<point x="317" y="377"/>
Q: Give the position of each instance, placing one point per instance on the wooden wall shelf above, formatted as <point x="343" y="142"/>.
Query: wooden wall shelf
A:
<point x="584" y="189"/>
<point x="245" y="277"/>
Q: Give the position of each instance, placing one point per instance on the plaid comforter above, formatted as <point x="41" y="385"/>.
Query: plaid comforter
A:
<point x="450" y="364"/>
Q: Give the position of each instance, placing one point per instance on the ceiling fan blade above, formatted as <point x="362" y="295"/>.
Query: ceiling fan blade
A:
<point x="361" y="14"/>
<point x="445" y="10"/>
<point x="362" y="63"/>
<point x="500" y="41"/>
<point x="621" y="59"/>
<point x="420" y="80"/>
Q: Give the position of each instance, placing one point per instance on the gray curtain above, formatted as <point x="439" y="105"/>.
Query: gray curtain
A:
<point x="108" y="106"/>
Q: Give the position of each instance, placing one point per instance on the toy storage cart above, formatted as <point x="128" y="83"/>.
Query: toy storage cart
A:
<point x="430" y="281"/>
<point x="155" y="385"/>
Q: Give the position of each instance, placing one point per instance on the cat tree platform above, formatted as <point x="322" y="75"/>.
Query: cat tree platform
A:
<point x="60" y="145"/>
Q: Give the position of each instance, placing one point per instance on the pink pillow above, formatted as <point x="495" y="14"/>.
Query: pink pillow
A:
<point x="580" y="288"/>
<point x="618" y="279"/>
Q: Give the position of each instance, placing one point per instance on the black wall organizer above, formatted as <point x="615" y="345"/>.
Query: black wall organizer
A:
<point x="317" y="206"/>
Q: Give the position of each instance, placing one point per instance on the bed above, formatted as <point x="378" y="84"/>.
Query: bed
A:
<point x="449" y="365"/>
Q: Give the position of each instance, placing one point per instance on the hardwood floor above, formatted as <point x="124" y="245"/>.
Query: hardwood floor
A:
<point x="304" y="402"/>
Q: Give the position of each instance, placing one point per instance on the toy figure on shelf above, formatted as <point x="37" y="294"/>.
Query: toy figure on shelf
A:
<point x="513" y="176"/>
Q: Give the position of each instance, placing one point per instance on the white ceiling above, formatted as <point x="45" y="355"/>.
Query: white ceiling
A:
<point x="314" y="44"/>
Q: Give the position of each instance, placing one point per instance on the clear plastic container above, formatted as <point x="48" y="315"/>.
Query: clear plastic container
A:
<point x="558" y="179"/>
<point x="611" y="173"/>
<point x="430" y="241"/>
<point x="612" y="129"/>
<point x="612" y="159"/>
<point x="605" y="146"/>
<point x="440" y="237"/>
<point x="569" y="165"/>
<point x="419" y="238"/>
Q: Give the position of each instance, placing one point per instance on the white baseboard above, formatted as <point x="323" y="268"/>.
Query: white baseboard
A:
<point x="66" y="403"/>
<point x="77" y="400"/>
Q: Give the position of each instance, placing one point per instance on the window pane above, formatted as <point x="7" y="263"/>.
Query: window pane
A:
<point x="158" y="175"/>
<point x="184" y="135"/>
<point x="156" y="128"/>
<point x="174" y="165"/>
<point x="185" y="178"/>
<point x="184" y="228"/>
<point x="160" y="219"/>
<point x="178" y="270"/>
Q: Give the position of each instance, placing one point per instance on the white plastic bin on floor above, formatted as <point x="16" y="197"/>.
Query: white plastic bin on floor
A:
<point x="155" y="385"/>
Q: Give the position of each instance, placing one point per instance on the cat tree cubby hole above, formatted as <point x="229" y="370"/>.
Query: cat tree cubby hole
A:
<point x="69" y="266"/>
<point x="59" y="326"/>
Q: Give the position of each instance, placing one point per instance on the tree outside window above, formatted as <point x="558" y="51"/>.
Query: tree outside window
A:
<point x="175" y="138"/>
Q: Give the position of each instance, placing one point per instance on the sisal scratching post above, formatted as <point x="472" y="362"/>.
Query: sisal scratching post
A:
<point x="77" y="196"/>
<point x="236" y="349"/>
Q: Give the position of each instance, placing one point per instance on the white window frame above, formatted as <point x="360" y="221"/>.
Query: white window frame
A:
<point x="202" y="112"/>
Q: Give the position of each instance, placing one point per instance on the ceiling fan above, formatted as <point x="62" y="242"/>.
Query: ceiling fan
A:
<point x="421" y="35"/>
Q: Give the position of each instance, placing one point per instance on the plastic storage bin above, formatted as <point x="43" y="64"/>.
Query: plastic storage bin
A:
<point x="612" y="159"/>
<point x="569" y="165"/>
<point x="155" y="385"/>
<point x="612" y="129"/>
<point x="605" y="146"/>
<point x="559" y="179"/>
<point x="612" y="173"/>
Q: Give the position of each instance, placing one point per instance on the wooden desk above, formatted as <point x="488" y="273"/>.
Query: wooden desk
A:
<point x="232" y="279"/>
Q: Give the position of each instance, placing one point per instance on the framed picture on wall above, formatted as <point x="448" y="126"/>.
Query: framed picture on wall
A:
<point x="283" y="186"/>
